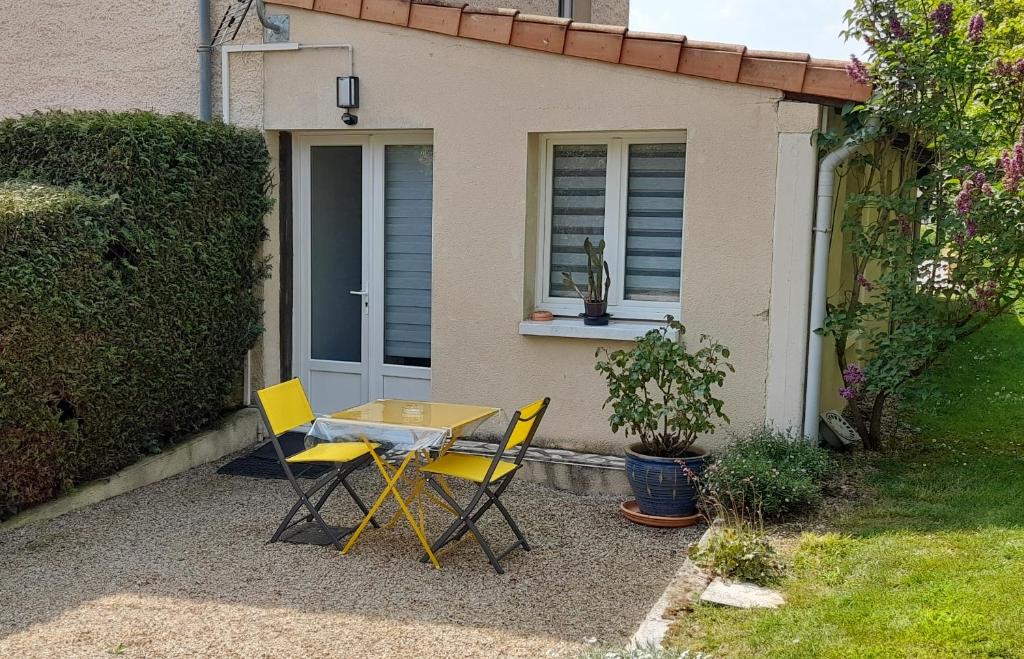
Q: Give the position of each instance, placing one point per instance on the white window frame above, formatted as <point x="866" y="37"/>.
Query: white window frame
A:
<point x="616" y="188"/>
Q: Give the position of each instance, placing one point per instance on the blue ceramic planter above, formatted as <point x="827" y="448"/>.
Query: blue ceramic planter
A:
<point x="660" y="485"/>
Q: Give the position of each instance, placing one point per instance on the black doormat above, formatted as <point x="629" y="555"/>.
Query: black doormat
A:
<point x="262" y="462"/>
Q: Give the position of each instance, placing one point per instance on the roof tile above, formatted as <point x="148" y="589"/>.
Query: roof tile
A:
<point x="300" y="4"/>
<point x="340" y="7"/>
<point x="706" y="60"/>
<point x="778" y="54"/>
<point x="661" y="54"/>
<point x="784" y="74"/>
<point x="436" y="17"/>
<point x="537" y="33"/>
<point x="395" y="12"/>
<point x="487" y="24"/>
<point x="827" y="81"/>
<point x="599" y="42"/>
<point x="795" y="73"/>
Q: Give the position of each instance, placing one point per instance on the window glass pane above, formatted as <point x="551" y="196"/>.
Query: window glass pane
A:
<point x="336" y="252"/>
<point x="577" y="210"/>
<point x="408" y="199"/>
<point x="654" y="221"/>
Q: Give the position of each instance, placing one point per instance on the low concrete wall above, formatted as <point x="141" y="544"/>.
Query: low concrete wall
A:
<point x="232" y="433"/>
<point x="576" y="478"/>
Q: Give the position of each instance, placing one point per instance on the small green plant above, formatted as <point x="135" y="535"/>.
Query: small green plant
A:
<point x="782" y="473"/>
<point x="599" y="280"/>
<point x="737" y="546"/>
<point x="663" y="394"/>
<point x="740" y="551"/>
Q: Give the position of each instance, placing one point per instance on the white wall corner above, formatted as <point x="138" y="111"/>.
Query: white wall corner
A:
<point x="791" y="275"/>
<point x="799" y="117"/>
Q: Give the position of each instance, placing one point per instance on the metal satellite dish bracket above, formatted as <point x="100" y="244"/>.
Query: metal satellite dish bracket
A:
<point x="276" y="28"/>
<point x="281" y="34"/>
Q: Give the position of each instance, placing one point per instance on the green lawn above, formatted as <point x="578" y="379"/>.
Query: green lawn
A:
<point x="933" y="565"/>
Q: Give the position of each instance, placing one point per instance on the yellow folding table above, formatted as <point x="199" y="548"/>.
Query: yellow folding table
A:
<point x="414" y="427"/>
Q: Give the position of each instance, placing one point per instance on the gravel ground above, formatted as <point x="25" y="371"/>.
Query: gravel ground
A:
<point x="181" y="568"/>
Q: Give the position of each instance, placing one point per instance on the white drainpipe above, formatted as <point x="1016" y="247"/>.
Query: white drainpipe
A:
<point x="225" y="110"/>
<point x="819" y="278"/>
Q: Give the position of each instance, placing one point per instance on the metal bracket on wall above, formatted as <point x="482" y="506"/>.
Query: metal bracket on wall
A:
<point x="281" y="35"/>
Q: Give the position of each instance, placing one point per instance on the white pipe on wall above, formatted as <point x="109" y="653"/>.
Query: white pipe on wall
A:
<point x="225" y="111"/>
<point x="225" y="64"/>
<point x="819" y="278"/>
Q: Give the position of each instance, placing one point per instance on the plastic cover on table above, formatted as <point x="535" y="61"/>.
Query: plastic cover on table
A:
<point x="391" y="436"/>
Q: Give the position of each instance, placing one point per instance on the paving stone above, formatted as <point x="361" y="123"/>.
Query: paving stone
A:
<point x="741" y="595"/>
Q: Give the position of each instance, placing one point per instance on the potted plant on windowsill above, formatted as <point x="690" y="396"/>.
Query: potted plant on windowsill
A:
<point x="599" y="280"/>
<point x="662" y="394"/>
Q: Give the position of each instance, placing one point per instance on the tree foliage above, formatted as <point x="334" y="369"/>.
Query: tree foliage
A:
<point x="935" y="229"/>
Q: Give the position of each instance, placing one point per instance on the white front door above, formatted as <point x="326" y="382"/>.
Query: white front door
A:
<point x="363" y="209"/>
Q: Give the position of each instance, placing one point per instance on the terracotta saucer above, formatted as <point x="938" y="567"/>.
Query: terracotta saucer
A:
<point x="633" y="514"/>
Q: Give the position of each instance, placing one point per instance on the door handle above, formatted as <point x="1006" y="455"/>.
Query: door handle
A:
<point x="366" y="300"/>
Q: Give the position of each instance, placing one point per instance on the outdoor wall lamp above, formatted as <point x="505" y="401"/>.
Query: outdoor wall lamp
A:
<point x="348" y="98"/>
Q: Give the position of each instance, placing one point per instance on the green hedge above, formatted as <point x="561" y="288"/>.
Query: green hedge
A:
<point x="129" y="257"/>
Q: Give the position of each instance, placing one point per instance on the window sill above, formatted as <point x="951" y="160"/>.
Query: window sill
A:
<point x="573" y="328"/>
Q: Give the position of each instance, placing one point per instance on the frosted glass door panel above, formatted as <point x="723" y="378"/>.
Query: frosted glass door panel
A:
<point x="336" y="252"/>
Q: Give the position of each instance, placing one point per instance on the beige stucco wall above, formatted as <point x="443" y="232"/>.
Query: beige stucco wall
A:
<point x="610" y="12"/>
<point x="483" y="102"/>
<point x="114" y="55"/>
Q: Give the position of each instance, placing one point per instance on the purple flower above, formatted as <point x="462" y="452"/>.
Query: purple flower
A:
<point x="849" y="393"/>
<point x="1005" y="69"/>
<point x="964" y="201"/>
<point x="1012" y="163"/>
<point x="853" y="375"/>
<point x="980" y="179"/>
<point x="986" y="189"/>
<point x="896" y="29"/>
<point x="971" y="228"/>
<point x="943" y="19"/>
<point x="976" y="28"/>
<point x="865" y="283"/>
<point x="986" y="296"/>
<point x="906" y="228"/>
<point x="858" y="71"/>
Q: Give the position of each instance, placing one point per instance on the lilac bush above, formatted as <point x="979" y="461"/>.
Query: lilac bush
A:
<point x="935" y="223"/>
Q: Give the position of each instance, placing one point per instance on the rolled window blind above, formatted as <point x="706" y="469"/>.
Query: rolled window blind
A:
<point x="408" y="208"/>
<point x="654" y="221"/>
<point x="577" y="210"/>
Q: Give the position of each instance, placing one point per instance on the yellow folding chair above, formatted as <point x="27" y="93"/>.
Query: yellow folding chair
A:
<point x="492" y="476"/>
<point x="285" y="407"/>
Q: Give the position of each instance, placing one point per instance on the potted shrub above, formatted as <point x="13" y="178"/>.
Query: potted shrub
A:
<point x="663" y="395"/>
<point x="595" y="299"/>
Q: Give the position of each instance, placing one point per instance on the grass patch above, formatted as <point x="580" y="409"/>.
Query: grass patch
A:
<point x="933" y="564"/>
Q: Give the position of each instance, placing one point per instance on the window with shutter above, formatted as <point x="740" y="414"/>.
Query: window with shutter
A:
<point x="625" y="189"/>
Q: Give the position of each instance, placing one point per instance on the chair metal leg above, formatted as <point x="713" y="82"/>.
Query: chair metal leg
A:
<point x="469" y="524"/>
<point x="285" y="523"/>
<point x="331" y="480"/>
<point x="511" y="522"/>
<point x="359" y="501"/>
